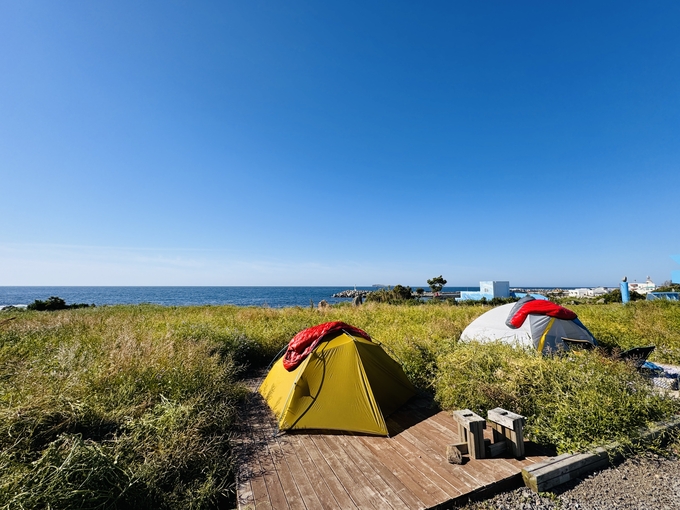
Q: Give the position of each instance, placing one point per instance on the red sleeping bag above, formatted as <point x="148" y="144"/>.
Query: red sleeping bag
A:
<point x="306" y="340"/>
<point x="541" y="307"/>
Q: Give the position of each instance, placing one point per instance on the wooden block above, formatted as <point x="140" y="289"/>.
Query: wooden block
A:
<point x="476" y="439"/>
<point x="471" y="429"/>
<point x="509" y="427"/>
<point x="453" y="454"/>
<point x="465" y="417"/>
<point x="506" y="418"/>
<point x="496" y="449"/>
<point x="517" y="441"/>
<point x="462" y="433"/>
<point x="544" y="476"/>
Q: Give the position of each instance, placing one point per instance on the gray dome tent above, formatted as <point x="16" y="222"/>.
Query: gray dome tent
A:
<point x="529" y="322"/>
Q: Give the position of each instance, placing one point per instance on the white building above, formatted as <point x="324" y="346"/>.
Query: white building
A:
<point x="642" y="288"/>
<point x="582" y="293"/>
<point x="577" y="293"/>
<point x="597" y="291"/>
<point x="488" y="290"/>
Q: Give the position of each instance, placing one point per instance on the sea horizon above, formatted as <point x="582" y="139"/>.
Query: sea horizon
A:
<point x="275" y="296"/>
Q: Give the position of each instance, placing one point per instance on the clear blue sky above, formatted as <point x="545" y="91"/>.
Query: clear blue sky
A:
<point x="338" y="143"/>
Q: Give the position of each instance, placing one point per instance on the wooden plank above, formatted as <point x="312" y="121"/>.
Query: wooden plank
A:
<point x="505" y="418"/>
<point x="380" y="493"/>
<point x="384" y="475"/>
<point x="497" y="449"/>
<point x="558" y="470"/>
<point x="250" y="468"/>
<point x="322" y="485"/>
<point x="481" y="471"/>
<point x="307" y="489"/>
<point x="283" y="463"/>
<point x="407" y="471"/>
<point x="326" y="472"/>
<point x="457" y="476"/>
<point x="244" y="490"/>
<point x="466" y="417"/>
<point x="467" y="478"/>
<point x="353" y="481"/>
<point x="266" y="426"/>
<point x="258" y="485"/>
<point x="445" y="422"/>
<point x="276" y="494"/>
<point x="475" y="473"/>
<point x="298" y="490"/>
<point x="542" y="477"/>
<point x="419" y="485"/>
<point x="431" y="464"/>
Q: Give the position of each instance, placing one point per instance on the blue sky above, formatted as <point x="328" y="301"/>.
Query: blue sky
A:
<point x="318" y="143"/>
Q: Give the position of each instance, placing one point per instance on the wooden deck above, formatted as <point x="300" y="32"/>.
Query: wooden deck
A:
<point x="408" y="470"/>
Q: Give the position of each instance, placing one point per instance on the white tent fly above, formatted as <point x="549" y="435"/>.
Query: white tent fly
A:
<point x="544" y="326"/>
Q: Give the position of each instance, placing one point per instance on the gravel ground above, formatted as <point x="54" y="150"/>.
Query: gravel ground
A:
<point x="648" y="481"/>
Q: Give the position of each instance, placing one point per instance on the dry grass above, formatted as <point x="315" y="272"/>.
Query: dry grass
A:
<point x="133" y="406"/>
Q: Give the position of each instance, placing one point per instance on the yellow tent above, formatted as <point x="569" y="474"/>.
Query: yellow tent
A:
<point x="347" y="383"/>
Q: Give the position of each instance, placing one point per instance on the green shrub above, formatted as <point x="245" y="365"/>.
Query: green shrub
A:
<point x="397" y="295"/>
<point x="571" y="401"/>
<point x="615" y="296"/>
<point x="54" y="303"/>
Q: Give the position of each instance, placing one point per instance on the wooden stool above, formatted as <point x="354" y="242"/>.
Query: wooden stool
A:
<point x="471" y="430"/>
<point x="508" y="427"/>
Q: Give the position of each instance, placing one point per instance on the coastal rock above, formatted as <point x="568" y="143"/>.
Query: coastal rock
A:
<point x="351" y="293"/>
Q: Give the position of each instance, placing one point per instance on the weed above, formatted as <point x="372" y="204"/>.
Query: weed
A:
<point x="134" y="406"/>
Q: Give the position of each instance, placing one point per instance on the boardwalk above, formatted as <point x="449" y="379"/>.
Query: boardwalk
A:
<point x="408" y="470"/>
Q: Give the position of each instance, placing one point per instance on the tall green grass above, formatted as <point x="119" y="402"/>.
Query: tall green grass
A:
<point x="136" y="406"/>
<point x="573" y="401"/>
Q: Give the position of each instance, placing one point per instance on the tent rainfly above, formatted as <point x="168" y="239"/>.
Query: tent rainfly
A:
<point x="546" y="329"/>
<point x="334" y="377"/>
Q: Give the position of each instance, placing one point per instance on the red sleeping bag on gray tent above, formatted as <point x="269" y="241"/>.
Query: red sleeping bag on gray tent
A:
<point x="539" y="307"/>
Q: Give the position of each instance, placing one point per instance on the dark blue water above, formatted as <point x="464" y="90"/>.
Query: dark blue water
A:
<point x="275" y="297"/>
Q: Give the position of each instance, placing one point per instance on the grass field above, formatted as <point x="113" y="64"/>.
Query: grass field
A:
<point x="135" y="406"/>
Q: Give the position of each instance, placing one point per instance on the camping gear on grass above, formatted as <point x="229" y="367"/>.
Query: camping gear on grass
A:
<point x="542" y="324"/>
<point x="344" y="381"/>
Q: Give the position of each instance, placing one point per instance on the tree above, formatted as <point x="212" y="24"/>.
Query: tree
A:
<point x="53" y="303"/>
<point x="436" y="284"/>
<point x="615" y="296"/>
<point x="401" y="292"/>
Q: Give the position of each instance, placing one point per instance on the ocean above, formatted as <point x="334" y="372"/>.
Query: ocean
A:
<point x="275" y="297"/>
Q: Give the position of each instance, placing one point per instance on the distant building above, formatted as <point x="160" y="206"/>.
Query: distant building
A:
<point x="583" y="293"/>
<point x="597" y="291"/>
<point x="488" y="290"/>
<point x="642" y="288"/>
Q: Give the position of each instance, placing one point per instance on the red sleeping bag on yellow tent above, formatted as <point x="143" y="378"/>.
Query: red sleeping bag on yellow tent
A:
<point x="306" y="341"/>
